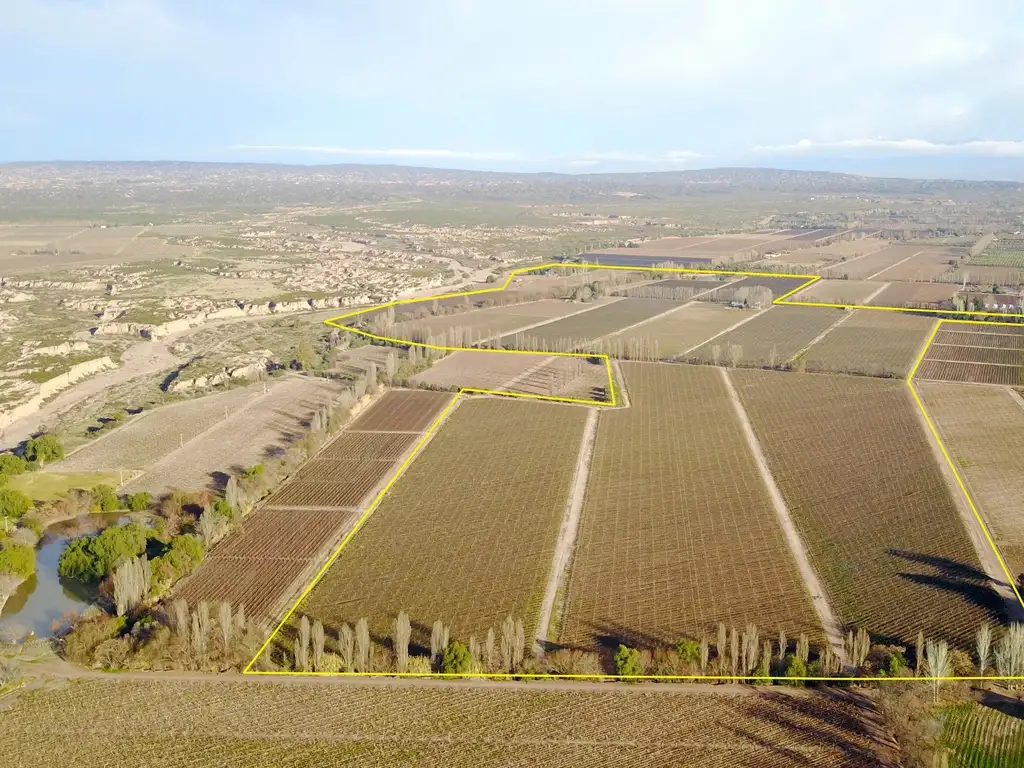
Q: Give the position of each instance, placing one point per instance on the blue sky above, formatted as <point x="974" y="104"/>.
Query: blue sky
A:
<point x="559" y="85"/>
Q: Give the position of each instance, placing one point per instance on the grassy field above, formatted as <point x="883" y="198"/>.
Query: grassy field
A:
<point x="677" y="531"/>
<point x="872" y="343"/>
<point x="773" y="337"/>
<point x="467" y="534"/>
<point x="866" y="493"/>
<point x="45" y="485"/>
<point x="114" y="723"/>
<point x="968" y="418"/>
<point x="1000" y="258"/>
<point x="982" y="737"/>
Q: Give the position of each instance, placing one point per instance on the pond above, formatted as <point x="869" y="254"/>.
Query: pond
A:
<point x="38" y="603"/>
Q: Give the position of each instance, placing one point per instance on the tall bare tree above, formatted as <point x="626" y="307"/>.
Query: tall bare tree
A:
<point x="224" y="622"/>
<point x="403" y="631"/>
<point x="938" y="662"/>
<point x="346" y="644"/>
<point x="362" y="646"/>
<point x="984" y="646"/>
<point x="318" y="645"/>
<point x="490" y="650"/>
<point x="508" y="639"/>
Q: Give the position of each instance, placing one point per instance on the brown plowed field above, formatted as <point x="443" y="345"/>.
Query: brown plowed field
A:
<point x="256" y="584"/>
<point x="875" y="513"/>
<point x="403" y="411"/>
<point x="963" y="354"/>
<point x="837" y="292"/>
<point x="315" y="491"/>
<point x="677" y="530"/>
<point x="278" y="534"/>
<point x="1003" y="339"/>
<point x="368" y="445"/>
<point x="467" y="533"/>
<point x="975" y="373"/>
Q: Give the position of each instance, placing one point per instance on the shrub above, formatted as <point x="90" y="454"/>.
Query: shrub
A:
<point x="13" y="503"/>
<point x="12" y="465"/>
<point x="795" y="668"/>
<point x="43" y="449"/>
<point x="256" y="470"/>
<point x="138" y="501"/>
<point x="419" y="665"/>
<point x="456" y="659"/>
<point x="183" y="554"/>
<point x="627" y="662"/>
<point x="688" y="650"/>
<point x="19" y="559"/>
<point x="104" y="499"/>
<point x="86" y="635"/>
<point x="222" y="508"/>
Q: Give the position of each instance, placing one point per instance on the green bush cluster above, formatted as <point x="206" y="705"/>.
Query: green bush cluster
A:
<point x="181" y="557"/>
<point x="18" y="559"/>
<point x="90" y="558"/>
<point x="13" y="503"/>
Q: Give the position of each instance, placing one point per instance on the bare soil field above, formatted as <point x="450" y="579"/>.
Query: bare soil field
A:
<point x="771" y="338"/>
<point x="402" y="411"/>
<point x="914" y="294"/>
<point x="972" y="373"/>
<point x="969" y="418"/>
<point x="926" y="266"/>
<point x="803" y="260"/>
<point x="876" y="515"/>
<point x="98" y="240"/>
<point x="681" y="330"/>
<point x="147" y="438"/>
<point x="579" y="329"/>
<point x="480" y="370"/>
<point x="871" y="343"/>
<point x="837" y="292"/>
<point x="677" y="531"/>
<point x="249" y="435"/>
<point x="233" y="723"/>
<point x="847" y="249"/>
<point x="473" y="522"/>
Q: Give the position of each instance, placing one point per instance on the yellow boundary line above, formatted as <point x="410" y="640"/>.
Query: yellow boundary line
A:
<point x="611" y="402"/>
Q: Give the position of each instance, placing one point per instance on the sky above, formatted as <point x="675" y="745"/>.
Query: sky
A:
<point x="571" y="86"/>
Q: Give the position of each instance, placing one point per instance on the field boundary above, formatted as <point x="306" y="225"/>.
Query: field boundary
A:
<point x="611" y="402"/>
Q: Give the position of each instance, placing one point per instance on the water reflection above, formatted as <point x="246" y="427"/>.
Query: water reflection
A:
<point x="44" y="599"/>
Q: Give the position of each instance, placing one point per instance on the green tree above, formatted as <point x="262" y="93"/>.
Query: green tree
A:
<point x="456" y="659"/>
<point x="90" y="558"/>
<point x="13" y="503"/>
<point x="627" y="662"/>
<point x="104" y="499"/>
<point x="139" y="501"/>
<point x="182" y="556"/>
<point x="795" y="667"/>
<point x="256" y="470"/>
<point x="307" y="357"/>
<point x="11" y="465"/>
<point x="43" y="449"/>
<point x="18" y="559"/>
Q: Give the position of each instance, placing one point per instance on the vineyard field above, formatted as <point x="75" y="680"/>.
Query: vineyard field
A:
<point x="837" y="292"/>
<point x="591" y="325"/>
<point x="969" y="419"/>
<point x="402" y="411"/>
<point x="876" y="515"/>
<point x="473" y="522"/>
<point x="775" y="336"/>
<point x="677" y="530"/>
<point x="982" y="737"/>
<point x="871" y="343"/>
<point x="221" y="724"/>
<point x="681" y="330"/>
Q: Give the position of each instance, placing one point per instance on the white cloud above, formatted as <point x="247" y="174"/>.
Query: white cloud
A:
<point x="390" y="152"/>
<point x="675" y="156"/>
<point x="985" y="148"/>
<point x="583" y="163"/>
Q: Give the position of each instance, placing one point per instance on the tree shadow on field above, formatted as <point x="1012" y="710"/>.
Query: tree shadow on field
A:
<point x="957" y="578"/>
<point x="803" y="715"/>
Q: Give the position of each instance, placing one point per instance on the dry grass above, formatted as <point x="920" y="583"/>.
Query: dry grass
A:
<point x="677" y="531"/>
<point x="220" y="724"/>
<point x="875" y="513"/>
